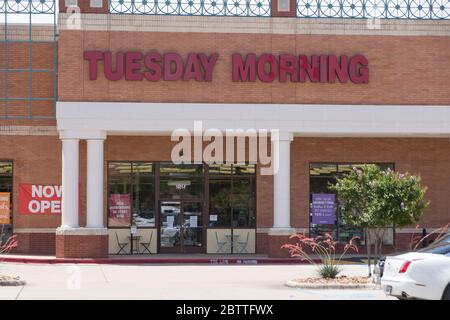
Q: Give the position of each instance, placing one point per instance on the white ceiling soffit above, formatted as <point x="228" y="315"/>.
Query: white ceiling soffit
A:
<point x="302" y="120"/>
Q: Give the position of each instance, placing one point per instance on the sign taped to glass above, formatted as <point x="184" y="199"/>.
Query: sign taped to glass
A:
<point x="4" y="208"/>
<point x="323" y="208"/>
<point x="119" y="210"/>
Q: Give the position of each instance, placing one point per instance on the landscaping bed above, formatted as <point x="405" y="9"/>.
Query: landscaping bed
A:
<point x="341" y="282"/>
<point x="11" y="281"/>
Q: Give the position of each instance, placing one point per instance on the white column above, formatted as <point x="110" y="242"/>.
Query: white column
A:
<point x="281" y="157"/>
<point x="70" y="188"/>
<point x="94" y="188"/>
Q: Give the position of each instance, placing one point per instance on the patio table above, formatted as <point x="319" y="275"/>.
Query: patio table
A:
<point x="134" y="240"/>
<point x="231" y="239"/>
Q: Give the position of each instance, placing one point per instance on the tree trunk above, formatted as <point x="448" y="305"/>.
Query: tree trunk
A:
<point x="368" y="252"/>
<point x="381" y="243"/>
<point x="375" y="246"/>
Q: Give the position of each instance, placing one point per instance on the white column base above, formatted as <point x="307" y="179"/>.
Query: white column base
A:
<point x="81" y="231"/>
<point x="281" y="231"/>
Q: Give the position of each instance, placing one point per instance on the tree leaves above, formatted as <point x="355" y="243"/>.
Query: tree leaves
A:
<point x="372" y="198"/>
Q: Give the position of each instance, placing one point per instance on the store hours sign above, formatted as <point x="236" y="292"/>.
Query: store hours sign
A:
<point x="323" y="208"/>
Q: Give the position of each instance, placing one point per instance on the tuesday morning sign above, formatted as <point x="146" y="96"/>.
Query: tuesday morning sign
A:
<point x="155" y="66"/>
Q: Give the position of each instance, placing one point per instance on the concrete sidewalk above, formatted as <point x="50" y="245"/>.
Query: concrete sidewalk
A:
<point x="171" y="259"/>
<point x="198" y="282"/>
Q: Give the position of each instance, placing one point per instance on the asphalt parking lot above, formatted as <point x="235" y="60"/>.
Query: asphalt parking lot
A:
<point x="197" y="282"/>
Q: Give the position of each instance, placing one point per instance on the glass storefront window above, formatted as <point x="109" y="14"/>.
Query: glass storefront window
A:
<point x="131" y="194"/>
<point x="143" y="195"/>
<point x="172" y="198"/>
<point x="6" y="179"/>
<point x="321" y="176"/>
<point x="232" y="193"/>
<point x="181" y="181"/>
<point x="220" y="202"/>
<point x="220" y="169"/>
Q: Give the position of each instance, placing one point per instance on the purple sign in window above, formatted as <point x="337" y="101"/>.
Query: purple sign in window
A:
<point x="323" y="208"/>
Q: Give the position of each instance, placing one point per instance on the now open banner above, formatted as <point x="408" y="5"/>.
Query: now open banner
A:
<point x="40" y="199"/>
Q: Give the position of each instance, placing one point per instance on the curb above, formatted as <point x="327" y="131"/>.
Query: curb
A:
<point x="295" y="284"/>
<point x="211" y="261"/>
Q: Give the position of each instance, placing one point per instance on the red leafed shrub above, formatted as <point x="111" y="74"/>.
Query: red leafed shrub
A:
<point x="9" y="245"/>
<point x="324" y="248"/>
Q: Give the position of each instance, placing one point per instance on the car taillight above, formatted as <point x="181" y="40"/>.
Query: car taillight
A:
<point x="404" y="267"/>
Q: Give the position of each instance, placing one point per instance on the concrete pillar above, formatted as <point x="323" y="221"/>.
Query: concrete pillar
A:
<point x="281" y="157"/>
<point x="94" y="188"/>
<point x="71" y="240"/>
<point x="70" y="187"/>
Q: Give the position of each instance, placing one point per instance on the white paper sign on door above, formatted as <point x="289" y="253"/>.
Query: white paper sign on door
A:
<point x="193" y="221"/>
<point x="169" y="221"/>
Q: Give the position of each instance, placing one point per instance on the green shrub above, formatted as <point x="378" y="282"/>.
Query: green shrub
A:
<point x="329" y="271"/>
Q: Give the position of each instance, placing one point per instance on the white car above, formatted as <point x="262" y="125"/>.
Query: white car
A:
<point x="423" y="274"/>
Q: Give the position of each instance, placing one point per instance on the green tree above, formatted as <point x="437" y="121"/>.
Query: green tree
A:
<point x="374" y="200"/>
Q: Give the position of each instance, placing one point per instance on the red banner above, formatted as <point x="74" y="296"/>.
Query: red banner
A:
<point x="4" y="208"/>
<point x="39" y="199"/>
<point x="119" y="210"/>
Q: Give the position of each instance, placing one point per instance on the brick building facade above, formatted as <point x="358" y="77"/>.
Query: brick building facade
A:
<point x="401" y="117"/>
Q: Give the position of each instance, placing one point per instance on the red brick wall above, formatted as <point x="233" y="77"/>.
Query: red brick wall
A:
<point x="18" y="83"/>
<point x="429" y="158"/>
<point x="35" y="243"/>
<point x="271" y="245"/>
<point x="36" y="159"/>
<point x="81" y="246"/>
<point x="403" y="69"/>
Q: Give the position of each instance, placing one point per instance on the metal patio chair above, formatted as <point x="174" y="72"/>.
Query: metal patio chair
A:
<point x="220" y="244"/>
<point x="121" y="245"/>
<point x="146" y="245"/>
<point x="242" y="245"/>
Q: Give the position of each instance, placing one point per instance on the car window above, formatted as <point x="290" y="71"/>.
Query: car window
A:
<point x="439" y="248"/>
<point x="444" y="239"/>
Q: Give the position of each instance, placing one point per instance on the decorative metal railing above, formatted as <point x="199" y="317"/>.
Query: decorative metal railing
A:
<point x="388" y="9"/>
<point x="243" y="8"/>
<point x="27" y="6"/>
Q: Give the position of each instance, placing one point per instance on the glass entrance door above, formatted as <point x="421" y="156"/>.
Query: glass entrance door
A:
<point x="170" y="226"/>
<point x="181" y="227"/>
<point x="192" y="229"/>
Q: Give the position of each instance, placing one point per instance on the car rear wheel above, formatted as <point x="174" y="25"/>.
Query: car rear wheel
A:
<point x="446" y="295"/>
